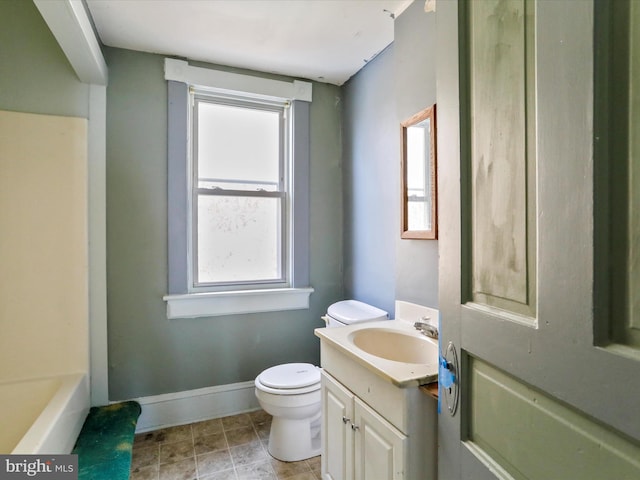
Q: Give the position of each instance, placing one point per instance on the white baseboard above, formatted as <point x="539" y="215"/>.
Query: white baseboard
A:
<point x="179" y="408"/>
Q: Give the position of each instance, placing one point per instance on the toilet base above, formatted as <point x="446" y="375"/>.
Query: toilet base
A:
<point x="294" y="440"/>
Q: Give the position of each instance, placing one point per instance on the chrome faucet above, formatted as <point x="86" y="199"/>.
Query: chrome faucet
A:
<point x="426" y="328"/>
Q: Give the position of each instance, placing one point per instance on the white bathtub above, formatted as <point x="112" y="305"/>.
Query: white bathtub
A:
<point x="43" y="415"/>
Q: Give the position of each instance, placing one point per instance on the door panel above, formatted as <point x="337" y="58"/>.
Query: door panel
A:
<point x="559" y="443"/>
<point x="500" y="48"/>
<point x="521" y="312"/>
<point x="622" y="59"/>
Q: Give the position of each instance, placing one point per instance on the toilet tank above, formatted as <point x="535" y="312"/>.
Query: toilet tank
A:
<point x="348" y="312"/>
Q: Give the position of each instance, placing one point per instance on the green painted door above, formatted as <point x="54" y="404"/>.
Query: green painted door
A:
<point x="538" y="230"/>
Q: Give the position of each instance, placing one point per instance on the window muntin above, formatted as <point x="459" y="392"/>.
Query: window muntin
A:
<point x="239" y="193"/>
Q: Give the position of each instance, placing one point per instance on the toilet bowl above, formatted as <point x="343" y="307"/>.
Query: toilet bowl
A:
<point x="291" y="392"/>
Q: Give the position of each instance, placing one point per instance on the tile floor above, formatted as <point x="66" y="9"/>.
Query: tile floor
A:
<point x="229" y="448"/>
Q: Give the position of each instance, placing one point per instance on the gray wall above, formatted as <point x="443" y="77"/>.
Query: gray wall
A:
<point x="149" y="354"/>
<point x="379" y="266"/>
<point x="415" y="89"/>
<point x="371" y="183"/>
<point x="35" y="76"/>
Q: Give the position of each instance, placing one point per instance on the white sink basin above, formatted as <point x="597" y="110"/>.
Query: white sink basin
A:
<point x="392" y="349"/>
<point x="396" y="346"/>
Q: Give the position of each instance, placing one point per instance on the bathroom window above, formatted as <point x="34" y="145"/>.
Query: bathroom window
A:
<point x="238" y="193"/>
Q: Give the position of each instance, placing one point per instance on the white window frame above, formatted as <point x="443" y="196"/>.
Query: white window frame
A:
<point x="198" y="96"/>
<point x="183" y="299"/>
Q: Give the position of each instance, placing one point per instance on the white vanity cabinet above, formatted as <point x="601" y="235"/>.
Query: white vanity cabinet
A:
<point x="377" y="423"/>
<point x="358" y="443"/>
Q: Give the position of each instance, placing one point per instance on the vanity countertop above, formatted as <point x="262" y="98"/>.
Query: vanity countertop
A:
<point x="399" y="373"/>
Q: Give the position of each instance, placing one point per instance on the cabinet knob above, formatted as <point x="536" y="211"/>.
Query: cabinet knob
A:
<point x="354" y="427"/>
<point x="345" y="420"/>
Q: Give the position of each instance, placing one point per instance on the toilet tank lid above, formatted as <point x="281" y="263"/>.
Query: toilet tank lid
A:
<point x="353" y="311"/>
<point x="290" y="375"/>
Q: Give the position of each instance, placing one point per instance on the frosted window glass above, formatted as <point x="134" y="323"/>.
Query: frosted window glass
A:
<point x="238" y="239"/>
<point x="238" y="144"/>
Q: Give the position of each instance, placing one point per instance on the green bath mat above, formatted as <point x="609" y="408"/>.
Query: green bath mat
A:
<point x="105" y="442"/>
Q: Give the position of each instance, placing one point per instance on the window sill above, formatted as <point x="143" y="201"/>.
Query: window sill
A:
<point x="213" y="304"/>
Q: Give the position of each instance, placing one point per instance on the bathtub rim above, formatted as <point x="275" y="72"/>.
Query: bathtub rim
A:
<point x="60" y="421"/>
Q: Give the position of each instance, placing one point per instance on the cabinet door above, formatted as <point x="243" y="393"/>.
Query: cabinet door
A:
<point x="337" y="436"/>
<point x="380" y="448"/>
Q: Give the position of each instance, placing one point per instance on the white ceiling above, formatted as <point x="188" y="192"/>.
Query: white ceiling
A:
<point x="324" y="40"/>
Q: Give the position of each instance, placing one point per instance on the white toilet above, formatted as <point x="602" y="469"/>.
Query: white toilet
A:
<point x="291" y="392"/>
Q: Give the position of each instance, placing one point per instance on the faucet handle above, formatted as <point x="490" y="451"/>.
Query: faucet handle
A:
<point x="427" y="329"/>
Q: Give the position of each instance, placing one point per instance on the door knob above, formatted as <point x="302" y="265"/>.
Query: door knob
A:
<point x="448" y="378"/>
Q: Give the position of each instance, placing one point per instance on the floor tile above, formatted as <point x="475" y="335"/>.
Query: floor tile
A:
<point x="315" y="465"/>
<point x="236" y="421"/>
<point x="149" y="472"/>
<point x="256" y="471"/>
<point x="146" y="439"/>
<point x="207" y="427"/>
<point x="241" y="435"/>
<point x="229" y="448"/>
<point x="182" y="470"/>
<point x="248" y="453"/>
<point x="300" y="476"/>
<point x="145" y="456"/>
<point x="210" y="443"/>
<point x="214" y="462"/>
<point x="289" y="469"/>
<point x="175" y="434"/>
<point x="263" y="431"/>
<point x="176" y="451"/>
<point x="225" y="475"/>
<point x="260" y="416"/>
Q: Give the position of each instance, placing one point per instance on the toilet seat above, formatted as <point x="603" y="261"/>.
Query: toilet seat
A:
<point x="289" y="379"/>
